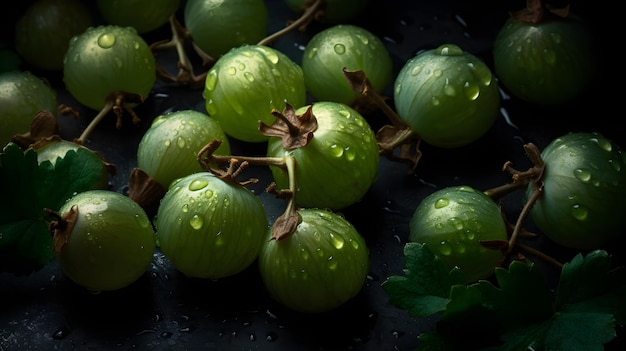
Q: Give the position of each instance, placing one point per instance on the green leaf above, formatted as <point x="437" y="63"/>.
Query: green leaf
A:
<point x="564" y="331"/>
<point x="521" y="298"/>
<point x="591" y="284"/>
<point x="425" y="289"/>
<point x="27" y="189"/>
<point x="517" y="311"/>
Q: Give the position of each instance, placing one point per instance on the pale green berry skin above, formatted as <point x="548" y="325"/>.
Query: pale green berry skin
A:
<point x="168" y="149"/>
<point x="452" y="221"/>
<point x="340" y="163"/>
<point x="550" y="63"/>
<point x="218" y="26"/>
<point x="246" y="84"/>
<point x="112" y="243"/>
<point x="209" y="228"/>
<point x="344" y="46"/>
<point x="143" y="15"/>
<point x="317" y="268"/>
<point x="584" y="186"/>
<point x="448" y="97"/>
<point x="107" y="59"/>
<point x="22" y="95"/>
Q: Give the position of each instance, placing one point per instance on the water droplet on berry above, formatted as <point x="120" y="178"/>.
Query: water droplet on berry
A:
<point x="456" y="223"/>
<point x="582" y="174"/>
<point x="442" y="202"/>
<point x="106" y="40"/>
<point x="198" y="184"/>
<point x="336" y="150"/>
<point x="579" y="212"/>
<point x="143" y="221"/>
<point x="340" y="49"/>
<point x="445" y="248"/>
<point x="337" y="241"/>
<point x="196" y="222"/>
<point x="471" y="91"/>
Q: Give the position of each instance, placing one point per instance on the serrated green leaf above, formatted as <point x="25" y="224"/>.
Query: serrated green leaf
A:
<point x="27" y="189"/>
<point x="466" y="308"/>
<point x="564" y="331"/>
<point x="425" y="289"/>
<point x="522" y="296"/>
<point x="591" y="284"/>
<point x="25" y="246"/>
<point x="77" y="171"/>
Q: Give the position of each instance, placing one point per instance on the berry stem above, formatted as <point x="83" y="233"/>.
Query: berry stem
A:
<point x="310" y="13"/>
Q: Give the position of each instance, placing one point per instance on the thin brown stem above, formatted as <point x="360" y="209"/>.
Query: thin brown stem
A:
<point x="539" y="254"/>
<point x="108" y="107"/>
<point x="523" y="214"/>
<point x="306" y="17"/>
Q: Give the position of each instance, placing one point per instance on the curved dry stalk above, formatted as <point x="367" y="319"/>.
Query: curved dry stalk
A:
<point x="310" y="13"/>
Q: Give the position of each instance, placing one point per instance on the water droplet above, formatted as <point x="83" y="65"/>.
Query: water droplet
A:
<point x="616" y="165"/>
<point x="143" y="221"/>
<point x="472" y="91"/>
<point x="211" y="80"/>
<point x="445" y="248"/>
<point x="271" y="55"/>
<point x="196" y="222"/>
<point x="198" y="184"/>
<point x="332" y="264"/>
<point x="118" y="62"/>
<point x="61" y="333"/>
<point x="185" y="208"/>
<point x="337" y="241"/>
<point x="180" y="141"/>
<point x="449" y="90"/>
<point x="579" y="212"/>
<point x="167" y="142"/>
<point x="482" y="73"/>
<point x="437" y="73"/>
<point x="416" y="70"/>
<point x="336" y="151"/>
<point x="312" y="53"/>
<point x="354" y="244"/>
<point x="556" y="37"/>
<point x="435" y="101"/>
<point x="339" y="49"/>
<point x="249" y="76"/>
<point x="449" y="50"/>
<point x="470" y="235"/>
<point x="456" y="223"/>
<point x="582" y="175"/>
<point x="106" y="40"/>
<point x="603" y="143"/>
<point x="442" y="202"/>
<point x="271" y="336"/>
<point x="349" y="154"/>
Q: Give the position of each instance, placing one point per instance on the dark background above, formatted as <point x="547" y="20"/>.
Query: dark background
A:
<point x="164" y="310"/>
